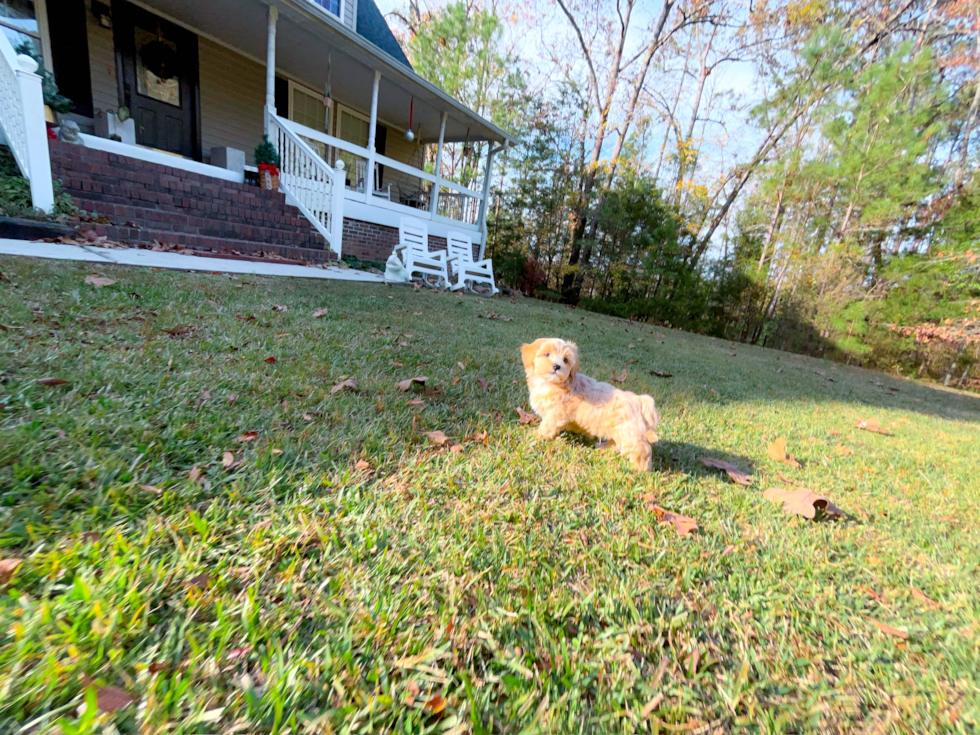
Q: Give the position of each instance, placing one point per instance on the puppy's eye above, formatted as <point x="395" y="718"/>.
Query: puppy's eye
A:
<point x="566" y="360"/>
<point x="547" y="354"/>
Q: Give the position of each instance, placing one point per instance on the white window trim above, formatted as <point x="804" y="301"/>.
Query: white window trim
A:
<point x="353" y="113"/>
<point x="312" y="93"/>
<point x="339" y="16"/>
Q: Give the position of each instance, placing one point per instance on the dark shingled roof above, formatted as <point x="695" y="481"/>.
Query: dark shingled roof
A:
<point x="372" y="26"/>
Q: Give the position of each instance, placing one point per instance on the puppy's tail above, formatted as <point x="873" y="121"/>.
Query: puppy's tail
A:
<point x="650" y="416"/>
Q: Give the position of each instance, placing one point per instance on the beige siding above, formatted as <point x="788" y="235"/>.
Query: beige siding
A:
<point x="349" y="13"/>
<point x="102" y="60"/>
<point x="232" y="98"/>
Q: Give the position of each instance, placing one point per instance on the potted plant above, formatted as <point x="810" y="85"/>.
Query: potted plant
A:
<point x="54" y="101"/>
<point x="267" y="159"/>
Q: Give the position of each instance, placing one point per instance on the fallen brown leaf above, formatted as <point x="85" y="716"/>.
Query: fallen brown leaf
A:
<point x="280" y="307"/>
<point x="527" y="418"/>
<point x="922" y="597"/>
<point x="307" y="417"/>
<point x="482" y="437"/>
<point x="320" y="312"/>
<point x="229" y="462"/>
<point x="416" y="402"/>
<point x="111" y="699"/>
<point x="396" y="364"/>
<point x="349" y="383"/>
<point x="777" y="451"/>
<point x="236" y="653"/>
<point x="742" y="478"/>
<point x="232" y="398"/>
<point x="248" y="436"/>
<point x="437" y="436"/>
<point x="195" y="474"/>
<point x="682" y="524"/>
<point x="151" y="489"/>
<point x="98" y="281"/>
<point x="436" y="704"/>
<point x="179" y="330"/>
<point x="619" y="377"/>
<point x="269" y="360"/>
<point x="276" y="451"/>
<point x="873" y="426"/>
<point x="661" y="374"/>
<point x="885" y="628"/>
<point x="482" y="382"/>
<point x="362" y="465"/>
<point x="652" y="705"/>
<point x="51" y="381"/>
<point x="407" y="384"/>
<point x="803" y="502"/>
<point x="201" y="581"/>
<point x="7" y="569"/>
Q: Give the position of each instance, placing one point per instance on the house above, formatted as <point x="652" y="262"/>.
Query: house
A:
<point x="202" y="81"/>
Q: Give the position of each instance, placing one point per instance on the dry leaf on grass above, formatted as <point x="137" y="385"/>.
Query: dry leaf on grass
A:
<point x="7" y="569"/>
<point x="682" y="524"/>
<point x="661" y="374"/>
<point x="195" y="474"/>
<point x="229" y="462"/>
<point x="777" y="451"/>
<point x="482" y="437"/>
<point x="407" y="384"/>
<point x="923" y="598"/>
<point x="362" y="465"/>
<point x="456" y="448"/>
<point x="99" y="281"/>
<point x="201" y="581"/>
<point x="151" y="489"/>
<point x="111" y="699"/>
<point x="435" y="705"/>
<point x="619" y="377"/>
<point x="873" y="426"/>
<point x="248" y="436"/>
<point x="482" y="382"/>
<point x="232" y="398"/>
<point x="51" y="381"/>
<point x="803" y="502"/>
<point x="652" y="705"/>
<point x="179" y="330"/>
<point x="416" y="402"/>
<point x="276" y="451"/>
<point x="527" y="418"/>
<point x="437" y="436"/>
<point x="280" y="307"/>
<point x="742" y="478"/>
<point x="885" y="628"/>
<point x="320" y="312"/>
<point x="269" y="360"/>
<point x="349" y="383"/>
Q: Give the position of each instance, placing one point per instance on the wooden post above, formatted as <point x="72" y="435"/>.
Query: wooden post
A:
<point x="486" y="196"/>
<point x="437" y="186"/>
<point x="270" y="66"/>
<point x="369" y="174"/>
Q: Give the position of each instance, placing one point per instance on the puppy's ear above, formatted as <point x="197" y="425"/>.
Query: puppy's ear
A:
<point x="529" y="352"/>
<point x="572" y="359"/>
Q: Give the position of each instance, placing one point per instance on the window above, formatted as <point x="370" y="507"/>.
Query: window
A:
<point x="18" y="21"/>
<point x="331" y="6"/>
<point x="306" y="107"/>
<point x="156" y="66"/>
<point x="353" y="128"/>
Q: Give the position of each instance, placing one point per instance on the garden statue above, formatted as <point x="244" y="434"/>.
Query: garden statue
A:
<point x="395" y="272"/>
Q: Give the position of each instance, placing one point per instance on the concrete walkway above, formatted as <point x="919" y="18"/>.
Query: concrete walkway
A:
<point x="176" y="261"/>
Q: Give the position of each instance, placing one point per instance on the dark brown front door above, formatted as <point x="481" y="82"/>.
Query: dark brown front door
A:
<point x="159" y="70"/>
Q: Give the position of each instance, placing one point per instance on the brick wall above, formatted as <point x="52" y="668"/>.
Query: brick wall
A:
<point x="368" y="241"/>
<point x="146" y="202"/>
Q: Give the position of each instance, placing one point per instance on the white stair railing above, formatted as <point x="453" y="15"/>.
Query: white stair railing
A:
<point x="308" y="182"/>
<point x="22" y="122"/>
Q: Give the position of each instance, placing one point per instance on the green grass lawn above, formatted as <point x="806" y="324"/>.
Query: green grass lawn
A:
<point x="351" y="575"/>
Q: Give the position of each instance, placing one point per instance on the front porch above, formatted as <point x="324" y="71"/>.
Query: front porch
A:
<point x="259" y="66"/>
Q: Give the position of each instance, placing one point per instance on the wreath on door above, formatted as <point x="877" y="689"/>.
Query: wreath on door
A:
<point x="160" y="58"/>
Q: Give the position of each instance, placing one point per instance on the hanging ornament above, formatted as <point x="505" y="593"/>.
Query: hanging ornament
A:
<point x="466" y="144"/>
<point x="409" y="135"/>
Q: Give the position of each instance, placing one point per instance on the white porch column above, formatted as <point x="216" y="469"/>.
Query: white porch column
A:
<point x="270" y="66"/>
<point x="369" y="174"/>
<point x="34" y="145"/>
<point x="484" y="202"/>
<point x="437" y="186"/>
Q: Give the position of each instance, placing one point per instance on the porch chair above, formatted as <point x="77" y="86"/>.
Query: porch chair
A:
<point x="464" y="267"/>
<point x="413" y="244"/>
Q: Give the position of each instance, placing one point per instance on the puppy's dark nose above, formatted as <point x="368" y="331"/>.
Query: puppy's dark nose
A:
<point x="556" y="368"/>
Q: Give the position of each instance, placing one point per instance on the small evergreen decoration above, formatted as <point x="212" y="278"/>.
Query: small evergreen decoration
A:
<point x="49" y="88"/>
<point x="265" y="153"/>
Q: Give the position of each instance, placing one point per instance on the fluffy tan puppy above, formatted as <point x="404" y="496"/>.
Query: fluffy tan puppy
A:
<point x="568" y="401"/>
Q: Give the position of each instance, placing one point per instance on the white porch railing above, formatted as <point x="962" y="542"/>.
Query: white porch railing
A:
<point x="308" y="182"/>
<point x="456" y="204"/>
<point x="22" y="122"/>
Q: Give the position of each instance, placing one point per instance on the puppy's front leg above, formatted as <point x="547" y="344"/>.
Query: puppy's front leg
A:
<point x="548" y="429"/>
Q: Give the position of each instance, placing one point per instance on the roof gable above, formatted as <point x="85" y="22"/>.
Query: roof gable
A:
<point x="373" y="27"/>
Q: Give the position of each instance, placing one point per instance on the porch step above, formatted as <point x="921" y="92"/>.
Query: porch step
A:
<point x="139" y="202"/>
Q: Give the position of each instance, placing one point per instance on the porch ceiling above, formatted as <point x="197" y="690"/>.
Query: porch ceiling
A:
<point x="303" y="39"/>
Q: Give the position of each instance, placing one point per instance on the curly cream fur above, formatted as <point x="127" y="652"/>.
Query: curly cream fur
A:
<point x="568" y="401"/>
